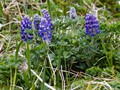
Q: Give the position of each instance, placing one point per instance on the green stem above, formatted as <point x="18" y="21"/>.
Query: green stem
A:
<point x="16" y="58"/>
<point x="59" y="65"/>
<point x="26" y="79"/>
<point x="28" y="59"/>
<point x="10" y="78"/>
<point x="44" y="74"/>
<point x="17" y="50"/>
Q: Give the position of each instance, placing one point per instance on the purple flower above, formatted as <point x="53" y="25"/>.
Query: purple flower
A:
<point x="26" y="27"/>
<point x="92" y="25"/>
<point x="46" y="15"/>
<point x="36" y="22"/>
<point x="73" y="14"/>
<point x="45" y="27"/>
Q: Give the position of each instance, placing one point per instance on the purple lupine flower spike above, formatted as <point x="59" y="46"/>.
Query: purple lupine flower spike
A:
<point x="45" y="27"/>
<point x="46" y="15"/>
<point x="92" y="25"/>
<point x="73" y="13"/>
<point x="36" y="22"/>
<point x="26" y="25"/>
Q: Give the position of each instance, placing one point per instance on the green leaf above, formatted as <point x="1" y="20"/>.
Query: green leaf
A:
<point x="66" y="54"/>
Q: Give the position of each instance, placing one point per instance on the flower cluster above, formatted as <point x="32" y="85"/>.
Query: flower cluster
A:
<point x="45" y="27"/>
<point x="73" y="14"/>
<point x="92" y="25"/>
<point x="26" y="27"/>
<point x="46" y="15"/>
<point x="36" y="22"/>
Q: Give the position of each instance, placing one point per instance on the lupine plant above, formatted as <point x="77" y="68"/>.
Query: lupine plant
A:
<point x="91" y="25"/>
<point x="73" y="13"/>
<point x="26" y="26"/>
<point x="36" y="21"/>
<point x="45" y="27"/>
<point x="26" y="35"/>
